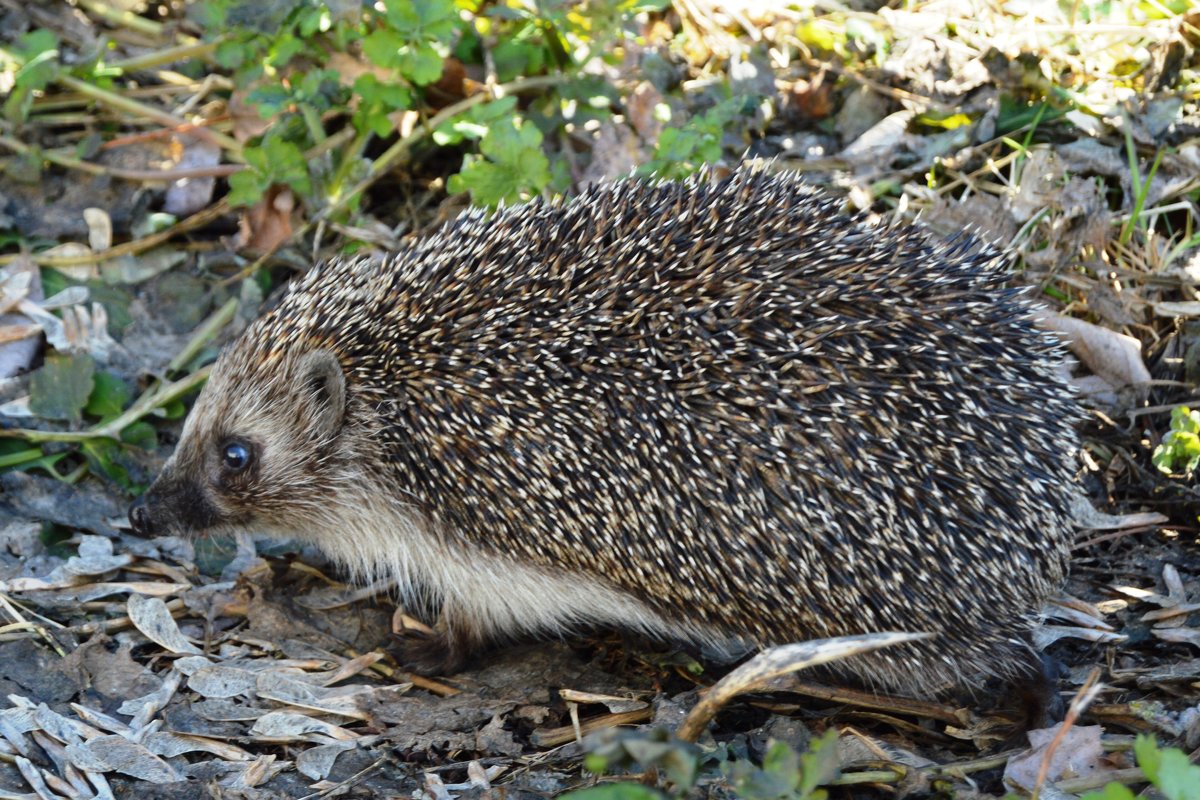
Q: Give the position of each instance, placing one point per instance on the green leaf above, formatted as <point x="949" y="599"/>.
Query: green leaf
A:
<point x="1111" y="791"/>
<point x="513" y="167"/>
<point x="428" y="19"/>
<point x="105" y="458"/>
<point x="245" y="188"/>
<point x="140" y="434"/>
<point x="109" y="396"/>
<point x="1178" y="778"/>
<point x="176" y="409"/>
<point x="1180" y="447"/>
<point x="36" y="54"/>
<point x="60" y="389"/>
<point x="819" y="765"/>
<point x="421" y="64"/>
<point x="378" y="100"/>
<point x="476" y="122"/>
<point x="382" y="47"/>
<point x="1169" y="770"/>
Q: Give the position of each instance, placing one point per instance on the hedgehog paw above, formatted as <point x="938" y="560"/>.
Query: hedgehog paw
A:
<point x="439" y="653"/>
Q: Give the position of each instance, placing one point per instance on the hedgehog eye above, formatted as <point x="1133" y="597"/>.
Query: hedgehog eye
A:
<point x="236" y="456"/>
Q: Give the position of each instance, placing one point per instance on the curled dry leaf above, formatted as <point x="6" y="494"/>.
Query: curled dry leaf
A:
<point x="151" y="616"/>
<point x="1113" y="356"/>
<point x="268" y="223"/>
<point x="290" y="726"/>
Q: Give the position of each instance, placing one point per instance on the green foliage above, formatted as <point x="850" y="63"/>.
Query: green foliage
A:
<point x="411" y="38"/>
<point x="1180" y="448"/>
<point x="376" y="100"/>
<point x="1168" y="770"/>
<point x="684" y="149"/>
<point x="786" y="774"/>
<point x="275" y="160"/>
<point x="109" y="396"/>
<point x="35" y="61"/>
<point x="510" y="167"/>
<point x="642" y="750"/>
<point x="783" y="775"/>
<point x="280" y="51"/>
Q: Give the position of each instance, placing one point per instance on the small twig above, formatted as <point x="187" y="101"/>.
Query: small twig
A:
<point x="161" y="133"/>
<point x="121" y="103"/>
<point x="169" y="55"/>
<point x="126" y="19"/>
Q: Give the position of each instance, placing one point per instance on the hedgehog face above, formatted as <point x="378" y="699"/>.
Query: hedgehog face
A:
<point x="263" y="448"/>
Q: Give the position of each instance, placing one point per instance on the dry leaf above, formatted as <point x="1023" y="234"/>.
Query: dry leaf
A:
<point x="268" y="223"/>
<point x="151" y="616"/>
<point x="1079" y="753"/>
<point x="100" y="229"/>
<point x="1110" y="355"/>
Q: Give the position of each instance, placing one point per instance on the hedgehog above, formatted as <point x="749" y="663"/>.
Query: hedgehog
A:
<point x="719" y="411"/>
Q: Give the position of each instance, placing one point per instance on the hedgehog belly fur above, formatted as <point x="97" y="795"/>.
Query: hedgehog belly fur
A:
<point x="482" y="596"/>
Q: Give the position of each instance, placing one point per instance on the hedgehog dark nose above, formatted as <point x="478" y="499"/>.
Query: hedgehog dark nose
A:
<point x="139" y="518"/>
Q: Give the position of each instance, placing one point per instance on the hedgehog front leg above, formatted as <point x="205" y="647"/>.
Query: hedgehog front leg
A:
<point x="443" y="652"/>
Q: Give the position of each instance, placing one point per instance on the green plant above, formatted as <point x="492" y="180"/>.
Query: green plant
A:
<point x="1168" y="770"/>
<point x="1180" y="448"/>
<point x="283" y="65"/>
<point x="783" y="775"/>
<point x="684" y="149"/>
<point x="35" y="62"/>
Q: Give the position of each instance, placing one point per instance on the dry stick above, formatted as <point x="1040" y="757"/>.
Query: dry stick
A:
<point x="1087" y="693"/>
<point x="168" y="55"/>
<point x="126" y="19"/>
<point x="861" y="699"/>
<point x="162" y="133"/>
<point x="779" y="661"/>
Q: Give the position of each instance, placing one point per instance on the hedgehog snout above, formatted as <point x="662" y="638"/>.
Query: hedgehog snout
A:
<point x="173" y="504"/>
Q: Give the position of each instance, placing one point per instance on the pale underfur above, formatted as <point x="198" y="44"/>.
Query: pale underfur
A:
<point x="492" y="597"/>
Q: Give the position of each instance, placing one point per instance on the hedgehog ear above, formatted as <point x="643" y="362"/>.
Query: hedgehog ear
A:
<point x="321" y="378"/>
